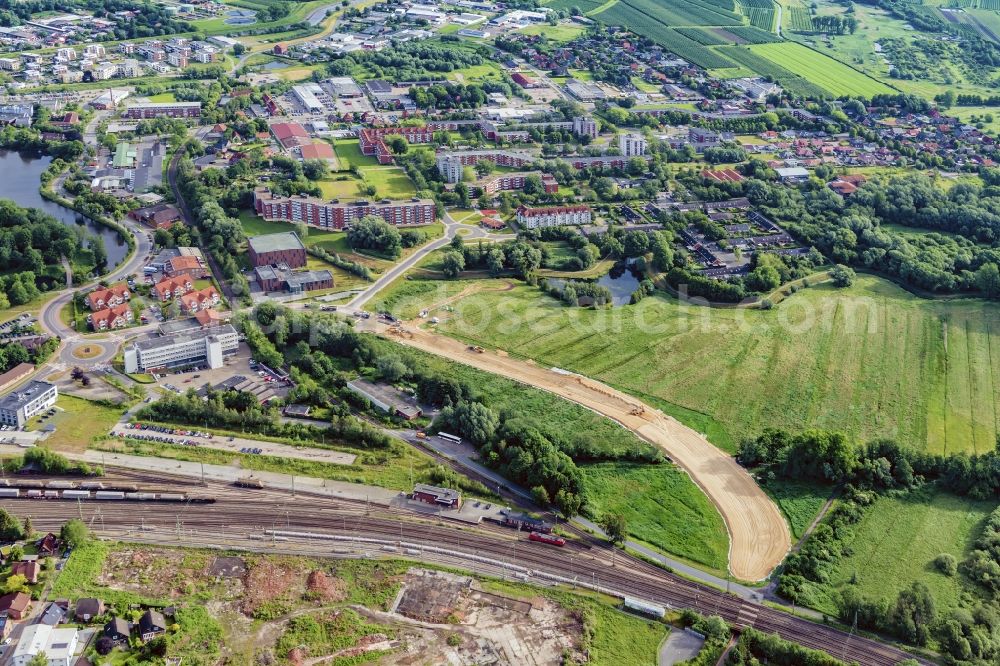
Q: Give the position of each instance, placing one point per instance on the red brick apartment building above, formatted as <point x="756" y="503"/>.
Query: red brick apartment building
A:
<point x="372" y="140"/>
<point x="326" y="215"/>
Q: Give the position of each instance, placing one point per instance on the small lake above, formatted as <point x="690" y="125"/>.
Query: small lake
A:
<point x="621" y="281"/>
<point x="21" y="180"/>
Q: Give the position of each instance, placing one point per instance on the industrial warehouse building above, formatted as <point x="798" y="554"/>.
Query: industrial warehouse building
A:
<point x="18" y="406"/>
<point x="207" y="347"/>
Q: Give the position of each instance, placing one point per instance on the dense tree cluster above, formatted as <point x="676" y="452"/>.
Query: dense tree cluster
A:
<point x="375" y="234"/>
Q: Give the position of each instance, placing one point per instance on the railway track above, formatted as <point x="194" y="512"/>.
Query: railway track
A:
<point x="256" y="511"/>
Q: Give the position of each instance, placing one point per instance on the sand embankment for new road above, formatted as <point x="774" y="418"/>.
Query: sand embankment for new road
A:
<point x="758" y="535"/>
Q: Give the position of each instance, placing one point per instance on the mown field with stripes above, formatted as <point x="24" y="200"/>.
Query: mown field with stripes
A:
<point x="871" y="361"/>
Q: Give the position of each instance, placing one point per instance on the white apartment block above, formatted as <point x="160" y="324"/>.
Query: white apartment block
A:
<point x="632" y="145"/>
<point x="553" y="216"/>
<point x="207" y="347"/>
<point x="585" y="126"/>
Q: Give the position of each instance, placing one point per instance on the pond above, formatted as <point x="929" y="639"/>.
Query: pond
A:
<point x="621" y="281"/>
<point x="21" y="180"/>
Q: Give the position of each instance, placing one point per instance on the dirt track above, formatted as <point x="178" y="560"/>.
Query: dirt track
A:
<point x="758" y="534"/>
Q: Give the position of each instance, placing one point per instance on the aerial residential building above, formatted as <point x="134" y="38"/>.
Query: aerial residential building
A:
<point x="58" y="645"/>
<point x="515" y="181"/>
<point x="450" y="165"/>
<point x="108" y="297"/>
<point x="196" y="301"/>
<point x="372" y="140"/>
<point x="328" y="215"/>
<point x="208" y="346"/>
<point x="585" y="126"/>
<point x="20" y="405"/>
<point x="632" y="145"/>
<point x="164" y="109"/>
<point x="281" y="248"/>
<point x="553" y="216"/>
<point x="119" y="316"/>
<point x="173" y="287"/>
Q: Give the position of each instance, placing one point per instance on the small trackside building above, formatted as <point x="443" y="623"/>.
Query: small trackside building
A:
<point x="443" y="497"/>
<point x="553" y="216"/>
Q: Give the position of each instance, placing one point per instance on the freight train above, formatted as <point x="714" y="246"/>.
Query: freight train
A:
<point x="68" y="485"/>
<point x="101" y="495"/>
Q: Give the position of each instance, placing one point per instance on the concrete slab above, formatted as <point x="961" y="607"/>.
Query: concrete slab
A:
<point x="679" y="646"/>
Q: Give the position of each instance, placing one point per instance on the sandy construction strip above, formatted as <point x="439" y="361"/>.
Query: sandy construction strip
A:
<point x="758" y="534"/>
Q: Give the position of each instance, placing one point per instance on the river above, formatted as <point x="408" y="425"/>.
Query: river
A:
<point x="20" y="182"/>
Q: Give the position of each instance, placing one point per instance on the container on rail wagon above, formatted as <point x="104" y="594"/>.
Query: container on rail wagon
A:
<point x="92" y="485"/>
<point x="29" y="483"/>
<point x="76" y="494"/>
<point x="10" y="492"/>
<point x="33" y="493"/>
<point x="60" y="485"/>
<point x="171" y="497"/>
<point x="51" y="494"/>
<point x="109" y="495"/>
<point x="643" y="607"/>
<point x="249" y="482"/>
<point x="140" y="496"/>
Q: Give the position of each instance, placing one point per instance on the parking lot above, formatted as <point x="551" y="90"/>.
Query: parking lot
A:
<point x="182" y="437"/>
<point x="237" y="366"/>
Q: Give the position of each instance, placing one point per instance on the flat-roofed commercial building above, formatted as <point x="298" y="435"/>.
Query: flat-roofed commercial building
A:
<point x="207" y="347"/>
<point x="17" y="407"/>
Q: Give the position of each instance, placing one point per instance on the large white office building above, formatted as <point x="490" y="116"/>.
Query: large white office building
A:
<point x="207" y="347"/>
<point x="18" y="406"/>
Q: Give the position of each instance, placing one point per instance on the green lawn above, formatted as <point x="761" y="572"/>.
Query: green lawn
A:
<point x="662" y="507"/>
<point x="345" y="190"/>
<point x="872" y="360"/>
<point x="799" y="501"/>
<point x="557" y="33"/>
<point x="390" y="182"/>
<point x="77" y="422"/>
<point x="897" y="541"/>
<point x="163" y="97"/>
<point x="349" y="154"/>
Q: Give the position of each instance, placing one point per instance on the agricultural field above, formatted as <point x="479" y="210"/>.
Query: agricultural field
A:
<point x="794" y="83"/>
<point x="872" y="361"/>
<point x="897" y="541"/>
<point x="760" y="13"/>
<point x="835" y="77"/>
<point x="661" y="504"/>
<point x="583" y="5"/>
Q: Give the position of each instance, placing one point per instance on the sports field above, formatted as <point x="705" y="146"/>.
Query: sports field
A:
<point x="872" y="360"/>
<point x="835" y="77"/>
<point x="897" y="541"/>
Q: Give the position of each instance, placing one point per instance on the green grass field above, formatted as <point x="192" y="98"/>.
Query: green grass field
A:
<point x="833" y="76"/>
<point x="77" y="422"/>
<point x="800" y="502"/>
<point x="390" y="182"/>
<point x="898" y="540"/>
<point x="558" y="33"/>
<point x="349" y="154"/>
<point x="872" y="360"/>
<point x="662" y="505"/>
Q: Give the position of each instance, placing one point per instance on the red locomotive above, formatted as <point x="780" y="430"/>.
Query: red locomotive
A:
<point x="550" y="539"/>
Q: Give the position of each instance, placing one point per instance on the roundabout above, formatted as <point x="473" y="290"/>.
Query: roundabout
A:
<point x="87" y="350"/>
